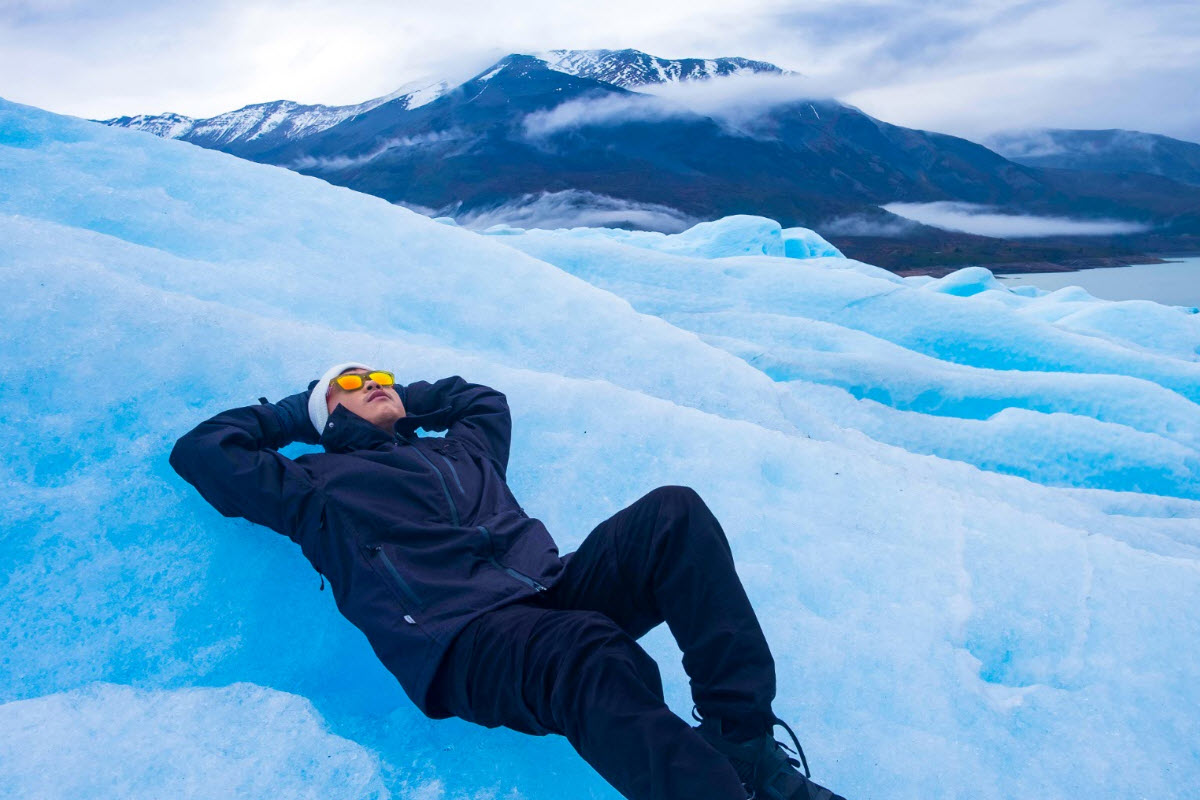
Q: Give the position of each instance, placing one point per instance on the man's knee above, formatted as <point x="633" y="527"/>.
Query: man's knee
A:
<point x="604" y="664"/>
<point x="683" y="498"/>
<point x="682" y="508"/>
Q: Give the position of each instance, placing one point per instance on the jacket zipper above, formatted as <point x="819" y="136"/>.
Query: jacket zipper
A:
<point x="445" y="486"/>
<point x="453" y="473"/>
<point x="405" y="590"/>
<point x="409" y="595"/>
<point x="522" y="577"/>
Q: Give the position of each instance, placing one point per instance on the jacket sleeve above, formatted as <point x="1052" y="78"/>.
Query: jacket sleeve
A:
<point x="466" y="410"/>
<point x="231" y="460"/>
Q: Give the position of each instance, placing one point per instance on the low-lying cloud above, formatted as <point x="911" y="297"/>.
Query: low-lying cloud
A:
<point x="1025" y="144"/>
<point x="737" y="98"/>
<point x="614" y="109"/>
<point x="574" y="208"/>
<point x="333" y="163"/>
<point x="1042" y="143"/>
<point x="733" y="100"/>
<point x="864" y="225"/>
<point x="988" y="221"/>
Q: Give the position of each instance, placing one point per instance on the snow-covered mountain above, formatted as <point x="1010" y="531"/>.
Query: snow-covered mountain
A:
<point x="632" y="68"/>
<point x="574" y="122"/>
<point x="271" y="123"/>
<point x="284" y="120"/>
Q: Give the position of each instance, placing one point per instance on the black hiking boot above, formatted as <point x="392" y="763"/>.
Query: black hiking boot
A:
<point x="767" y="772"/>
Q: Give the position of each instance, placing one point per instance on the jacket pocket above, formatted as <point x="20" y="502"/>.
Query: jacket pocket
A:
<point x="521" y="576"/>
<point x="378" y="554"/>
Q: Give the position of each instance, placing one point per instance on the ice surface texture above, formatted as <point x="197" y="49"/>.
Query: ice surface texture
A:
<point x="1059" y="388"/>
<point x="941" y="629"/>
<point x="741" y="235"/>
<point x="238" y="741"/>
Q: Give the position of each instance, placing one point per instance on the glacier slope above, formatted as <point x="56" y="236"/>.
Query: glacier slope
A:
<point x="105" y="740"/>
<point x="1062" y="389"/>
<point x="939" y="631"/>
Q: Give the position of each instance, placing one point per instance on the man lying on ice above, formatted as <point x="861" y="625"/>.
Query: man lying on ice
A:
<point x="467" y="602"/>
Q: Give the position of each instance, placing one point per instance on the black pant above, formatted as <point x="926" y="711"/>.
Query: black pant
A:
<point x="566" y="661"/>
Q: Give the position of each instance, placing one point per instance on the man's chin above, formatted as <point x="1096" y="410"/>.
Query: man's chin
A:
<point x="385" y="421"/>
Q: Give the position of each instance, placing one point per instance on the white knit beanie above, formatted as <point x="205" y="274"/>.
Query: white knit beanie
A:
<point x="318" y="407"/>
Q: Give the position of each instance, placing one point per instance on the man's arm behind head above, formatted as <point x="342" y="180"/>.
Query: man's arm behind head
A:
<point x="468" y="410"/>
<point x="232" y="461"/>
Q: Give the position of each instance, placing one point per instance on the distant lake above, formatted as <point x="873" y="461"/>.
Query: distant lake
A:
<point x="1176" y="283"/>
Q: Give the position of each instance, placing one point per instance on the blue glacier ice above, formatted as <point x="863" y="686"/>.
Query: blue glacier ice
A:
<point x="969" y="517"/>
<point x="104" y="740"/>
<point x="738" y="235"/>
<point x="1059" y="388"/>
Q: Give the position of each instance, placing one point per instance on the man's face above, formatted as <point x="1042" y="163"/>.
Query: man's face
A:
<point x="379" y="405"/>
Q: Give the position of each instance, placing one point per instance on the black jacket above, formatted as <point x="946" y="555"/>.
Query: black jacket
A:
<point x="416" y="535"/>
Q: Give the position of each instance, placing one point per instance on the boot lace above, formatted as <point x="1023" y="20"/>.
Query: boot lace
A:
<point x="799" y="751"/>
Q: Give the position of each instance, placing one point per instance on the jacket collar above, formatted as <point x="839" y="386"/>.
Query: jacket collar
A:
<point x="346" y="431"/>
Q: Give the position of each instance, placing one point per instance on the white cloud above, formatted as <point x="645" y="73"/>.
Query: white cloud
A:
<point x="605" y="110"/>
<point x="1055" y="63"/>
<point x="145" y="56"/>
<point x="984" y="221"/>
<point x="1036" y="143"/>
<point x="733" y="100"/>
<point x="738" y="98"/>
<point x="735" y="91"/>
<point x="1025" y="144"/>
<point x="863" y="225"/>
<point x="345" y="162"/>
<point x="577" y="209"/>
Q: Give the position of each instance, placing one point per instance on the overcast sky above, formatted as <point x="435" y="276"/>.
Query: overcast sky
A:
<point x="968" y="69"/>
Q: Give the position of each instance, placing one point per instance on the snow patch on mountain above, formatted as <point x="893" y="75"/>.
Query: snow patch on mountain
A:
<point x="630" y="69"/>
<point x="426" y="94"/>
<point x="167" y="126"/>
<point x="291" y="120"/>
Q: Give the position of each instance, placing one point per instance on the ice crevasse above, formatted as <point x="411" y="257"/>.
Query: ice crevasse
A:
<point x="967" y="517"/>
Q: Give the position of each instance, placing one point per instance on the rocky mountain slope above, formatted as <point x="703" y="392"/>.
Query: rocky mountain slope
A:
<point x="574" y="122"/>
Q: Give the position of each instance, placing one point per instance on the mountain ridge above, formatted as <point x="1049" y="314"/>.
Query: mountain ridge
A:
<point x="630" y="68"/>
<point x="1109" y="150"/>
<point x="811" y="162"/>
<point x="285" y="119"/>
<point x="257" y="119"/>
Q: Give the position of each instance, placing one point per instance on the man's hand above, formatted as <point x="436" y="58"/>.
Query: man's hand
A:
<point x="292" y="412"/>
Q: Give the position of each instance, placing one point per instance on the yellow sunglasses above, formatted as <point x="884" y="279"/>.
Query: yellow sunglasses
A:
<point x="352" y="381"/>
